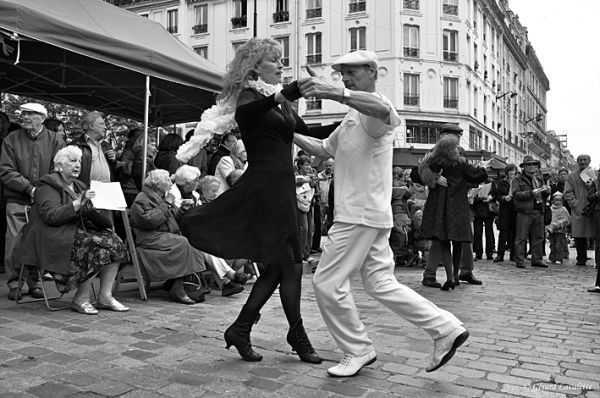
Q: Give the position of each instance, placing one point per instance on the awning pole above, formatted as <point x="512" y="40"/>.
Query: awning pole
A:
<point x="146" y="116"/>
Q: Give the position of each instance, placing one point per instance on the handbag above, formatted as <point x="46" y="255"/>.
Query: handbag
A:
<point x="493" y="208"/>
<point x="304" y="196"/>
<point x="92" y="218"/>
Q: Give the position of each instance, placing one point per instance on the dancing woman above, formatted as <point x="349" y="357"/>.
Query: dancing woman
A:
<point x="256" y="219"/>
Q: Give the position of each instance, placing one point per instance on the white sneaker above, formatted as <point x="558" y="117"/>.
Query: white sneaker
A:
<point x="445" y="347"/>
<point x="350" y="365"/>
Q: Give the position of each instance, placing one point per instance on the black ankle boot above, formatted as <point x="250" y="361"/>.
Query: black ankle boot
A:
<point x="300" y="343"/>
<point x="238" y="335"/>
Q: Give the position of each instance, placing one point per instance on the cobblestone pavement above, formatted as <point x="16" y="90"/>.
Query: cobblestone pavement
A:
<point x="534" y="333"/>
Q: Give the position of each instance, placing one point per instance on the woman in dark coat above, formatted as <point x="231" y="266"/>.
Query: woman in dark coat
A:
<point x="256" y="219"/>
<point x="507" y="217"/>
<point x="446" y="216"/>
<point x="167" y="149"/>
<point x="58" y="239"/>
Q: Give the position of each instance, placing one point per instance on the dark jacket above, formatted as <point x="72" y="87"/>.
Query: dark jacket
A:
<point x="25" y="160"/>
<point x="506" y="213"/>
<point x="522" y="193"/>
<point x="480" y="208"/>
<point x="86" y="160"/>
<point x="50" y="234"/>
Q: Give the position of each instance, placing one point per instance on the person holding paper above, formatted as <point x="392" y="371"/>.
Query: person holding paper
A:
<point x="578" y="186"/>
<point x="61" y="239"/>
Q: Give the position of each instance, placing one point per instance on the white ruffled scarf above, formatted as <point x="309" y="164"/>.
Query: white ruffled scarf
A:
<point x="220" y="119"/>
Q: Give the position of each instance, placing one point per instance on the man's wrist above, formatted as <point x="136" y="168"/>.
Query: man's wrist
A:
<point x="345" y="95"/>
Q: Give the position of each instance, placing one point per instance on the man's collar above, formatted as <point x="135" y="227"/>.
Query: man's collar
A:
<point x="37" y="133"/>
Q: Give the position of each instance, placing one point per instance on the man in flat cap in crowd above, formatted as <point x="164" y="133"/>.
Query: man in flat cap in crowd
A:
<point x="27" y="155"/>
<point x="358" y="240"/>
<point x="435" y="252"/>
<point x="529" y="196"/>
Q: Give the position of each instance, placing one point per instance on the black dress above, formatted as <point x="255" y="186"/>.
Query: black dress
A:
<point x="255" y="219"/>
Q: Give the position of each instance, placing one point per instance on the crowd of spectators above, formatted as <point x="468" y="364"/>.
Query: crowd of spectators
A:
<point x="72" y="242"/>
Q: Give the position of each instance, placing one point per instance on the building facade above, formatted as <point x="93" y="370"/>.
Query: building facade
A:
<point x="467" y="62"/>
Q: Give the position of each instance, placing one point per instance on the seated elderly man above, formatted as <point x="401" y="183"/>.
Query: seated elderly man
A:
<point x="183" y="196"/>
<point x="165" y="253"/>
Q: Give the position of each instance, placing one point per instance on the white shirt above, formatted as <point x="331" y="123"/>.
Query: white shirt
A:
<point x="363" y="152"/>
<point x="223" y="169"/>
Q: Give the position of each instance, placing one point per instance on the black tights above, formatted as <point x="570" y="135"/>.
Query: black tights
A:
<point x="289" y="279"/>
<point x="451" y="259"/>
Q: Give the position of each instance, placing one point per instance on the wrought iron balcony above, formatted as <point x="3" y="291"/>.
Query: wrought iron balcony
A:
<point x="411" y="100"/>
<point x="313" y="59"/>
<point x="411" y="4"/>
<point x="451" y="103"/>
<point x="202" y="28"/>
<point x="450" y="56"/>
<point x="411" y="52"/>
<point x="172" y="29"/>
<point x="450" y="9"/>
<point x="314" y="13"/>
<point x="239" y="22"/>
<point x="313" y="104"/>
<point x="358" y="7"/>
<point x="281" y="16"/>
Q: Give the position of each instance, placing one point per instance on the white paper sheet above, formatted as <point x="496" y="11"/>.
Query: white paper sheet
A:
<point x="109" y="195"/>
<point x="588" y="174"/>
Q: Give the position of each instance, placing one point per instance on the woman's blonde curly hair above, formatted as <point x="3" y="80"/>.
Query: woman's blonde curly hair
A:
<point x="243" y="66"/>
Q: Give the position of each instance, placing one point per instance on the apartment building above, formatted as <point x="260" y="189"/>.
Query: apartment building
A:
<point x="467" y="62"/>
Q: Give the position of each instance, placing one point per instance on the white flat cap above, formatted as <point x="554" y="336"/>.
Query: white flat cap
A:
<point x="359" y="57"/>
<point x="33" y="107"/>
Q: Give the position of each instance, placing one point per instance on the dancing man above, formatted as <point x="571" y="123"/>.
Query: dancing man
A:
<point x="358" y="239"/>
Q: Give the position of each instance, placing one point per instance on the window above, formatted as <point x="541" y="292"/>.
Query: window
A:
<point x="450" y="7"/>
<point x="423" y="131"/>
<point x="282" y="13"/>
<point x="450" y="45"/>
<point x="358" y="38"/>
<point x="172" y="21"/>
<point x="475" y="57"/>
<point x="411" y="4"/>
<point x="285" y="45"/>
<point x="474" y="138"/>
<point x="411" y="41"/>
<point x="240" y="12"/>
<point x="475" y="14"/>
<point x="313" y="104"/>
<point x="145" y="15"/>
<point x="411" y="89"/>
<point x="313" y="41"/>
<point x="358" y="6"/>
<point x="201" y="25"/>
<point x="202" y="51"/>
<point x="450" y="92"/>
<point x="313" y="9"/>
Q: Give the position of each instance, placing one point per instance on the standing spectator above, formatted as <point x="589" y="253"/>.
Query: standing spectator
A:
<point x="129" y="185"/>
<point x="529" y="195"/>
<point x="27" y="156"/>
<point x="199" y="160"/>
<point x="596" y="221"/>
<point x="4" y="125"/>
<point x="325" y="178"/>
<point x="483" y="218"/>
<point x="559" y="186"/>
<point x="305" y="191"/>
<point x="402" y="222"/>
<point x="58" y="127"/>
<point x="236" y="160"/>
<point x="557" y="229"/>
<point x="506" y="221"/>
<point x="576" y="194"/>
<point x="224" y="149"/>
<point x="167" y="149"/>
<point x="96" y="163"/>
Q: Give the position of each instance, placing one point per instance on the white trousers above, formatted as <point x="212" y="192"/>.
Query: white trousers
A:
<point x="351" y="248"/>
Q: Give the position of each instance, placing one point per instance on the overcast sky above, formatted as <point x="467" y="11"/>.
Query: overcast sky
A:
<point x="565" y="37"/>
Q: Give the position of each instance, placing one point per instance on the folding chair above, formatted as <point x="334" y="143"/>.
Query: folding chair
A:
<point x="135" y="261"/>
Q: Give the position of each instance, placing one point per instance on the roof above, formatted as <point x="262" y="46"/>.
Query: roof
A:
<point x="95" y="55"/>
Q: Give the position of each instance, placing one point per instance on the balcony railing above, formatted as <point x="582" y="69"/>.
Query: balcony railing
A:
<point x="172" y="29"/>
<point x="451" y="103"/>
<point x="313" y="59"/>
<point x="202" y="28"/>
<point x="411" y="100"/>
<point x="285" y="61"/>
<point x="411" y="4"/>
<point x="476" y="65"/>
<point x="314" y="13"/>
<point x="313" y="104"/>
<point x="239" y="22"/>
<point x="450" y="9"/>
<point x="411" y="52"/>
<point x="281" y="16"/>
<point x="358" y="7"/>
<point x="450" y="56"/>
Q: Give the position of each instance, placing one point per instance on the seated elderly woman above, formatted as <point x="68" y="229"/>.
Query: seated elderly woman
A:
<point x="166" y="254"/>
<point x="183" y="196"/>
<point x="61" y="239"/>
<point x="236" y="160"/>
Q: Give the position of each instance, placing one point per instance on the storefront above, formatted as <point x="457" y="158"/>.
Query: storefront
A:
<point x="410" y="157"/>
